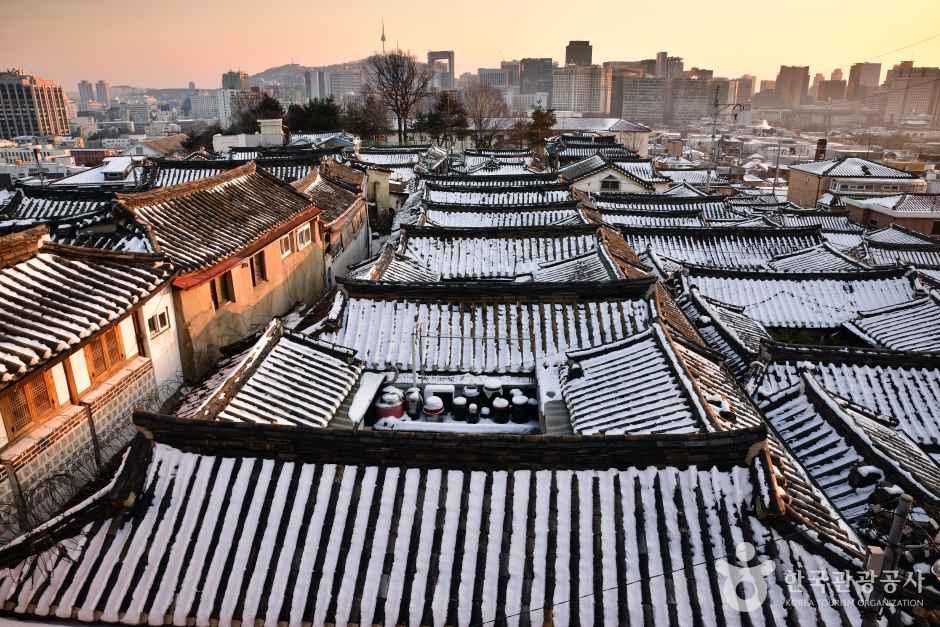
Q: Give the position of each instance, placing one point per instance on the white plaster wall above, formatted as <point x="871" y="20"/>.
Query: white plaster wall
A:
<point x="593" y="183"/>
<point x="79" y="371"/>
<point x="61" y="384"/>
<point x="128" y="337"/>
<point x="163" y="349"/>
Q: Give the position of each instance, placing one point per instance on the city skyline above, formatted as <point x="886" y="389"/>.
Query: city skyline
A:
<point x="237" y="37"/>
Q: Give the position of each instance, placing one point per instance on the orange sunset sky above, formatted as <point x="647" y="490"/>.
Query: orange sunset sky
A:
<point x="167" y="43"/>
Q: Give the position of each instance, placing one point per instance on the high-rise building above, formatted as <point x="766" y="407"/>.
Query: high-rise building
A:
<point x="443" y="76"/>
<point x="668" y="67"/>
<point x="493" y="76"/>
<point x="863" y="79"/>
<point x="314" y="85"/>
<point x="909" y="91"/>
<point x="234" y="101"/>
<point x="700" y="73"/>
<point x="818" y="78"/>
<point x="614" y="73"/>
<point x="742" y="89"/>
<point x="831" y="91"/>
<point x="644" y="100"/>
<point x="689" y="100"/>
<point x="346" y="85"/>
<point x="139" y="114"/>
<point x="836" y="75"/>
<point x="578" y="53"/>
<point x="661" y="61"/>
<point x="791" y="85"/>
<point x="86" y="95"/>
<point x="204" y="104"/>
<point x="103" y="92"/>
<point x="235" y="79"/>
<point x="535" y="75"/>
<point x="513" y="71"/>
<point x="30" y="105"/>
<point x="578" y="88"/>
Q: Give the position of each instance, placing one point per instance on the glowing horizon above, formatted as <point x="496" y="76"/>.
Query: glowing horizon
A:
<point x="168" y="43"/>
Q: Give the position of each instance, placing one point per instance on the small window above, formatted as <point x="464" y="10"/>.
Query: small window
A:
<point x="935" y="228"/>
<point x="104" y="353"/>
<point x="610" y="184"/>
<point x="287" y="244"/>
<point x="259" y="272"/>
<point x="158" y="322"/>
<point x="28" y="402"/>
<point x="303" y="236"/>
<point x="226" y="288"/>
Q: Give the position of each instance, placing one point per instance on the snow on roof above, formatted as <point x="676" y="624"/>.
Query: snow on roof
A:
<point x="480" y="217"/>
<point x="54" y="297"/>
<point x="475" y="332"/>
<point x="820" y="258"/>
<point x="852" y="167"/>
<point x="845" y="437"/>
<point x="813" y="300"/>
<point x="697" y="177"/>
<point x="474" y="196"/>
<point x="923" y="205"/>
<point x="901" y="385"/>
<point x="683" y="190"/>
<point x="410" y="545"/>
<point x="113" y="172"/>
<point x="721" y="247"/>
<point x="283" y="378"/>
<point x="895" y="234"/>
<point x="910" y="326"/>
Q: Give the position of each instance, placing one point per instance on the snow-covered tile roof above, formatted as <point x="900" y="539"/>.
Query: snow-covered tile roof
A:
<point x="631" y="386"/>
<point x="696" y="177"/>
<point x="55" y="297"/>
<point x="851" y="167"/>
<point x="721" y="247"/>
<point x="282" y="378"/>
<point x="683" y="190"/>
<point x="461" y="217"/>
<point x="316" y="542"/>
<point x="814" y="300"/>
<point x="201" y="223"/>
<point x="898" y="235"/>
<point x="834" y="439"/>
<point x="828" y="222"/>
<point x="843" y="241"/>
<point x="542" y="196"/>
<point x="901" y="385"/>
<point x="476" y="332"/>
<point x="821" y="258"/>
<point x="900" y="204"/>
<point x="477" y="254"/>
<point x="910" y="326"/>
<point x="654" y="202"/>
<point x="36" y="205"/>
<point x="531" y="179"/>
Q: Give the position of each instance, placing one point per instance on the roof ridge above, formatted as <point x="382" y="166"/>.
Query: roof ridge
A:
<point x="136" y="200"/>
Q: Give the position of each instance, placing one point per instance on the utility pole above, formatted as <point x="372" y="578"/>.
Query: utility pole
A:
<point x="714" y="159"/>
<point x="892" y="552"/>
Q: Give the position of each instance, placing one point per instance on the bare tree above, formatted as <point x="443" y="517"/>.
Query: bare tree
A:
<point x="401" y="84"/>
<point x="484" y="105"/>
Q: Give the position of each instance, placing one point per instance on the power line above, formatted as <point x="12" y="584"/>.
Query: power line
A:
<point x="883" y="54"/>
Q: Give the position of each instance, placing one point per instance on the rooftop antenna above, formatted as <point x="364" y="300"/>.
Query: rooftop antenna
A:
<point x="383" y="35"/>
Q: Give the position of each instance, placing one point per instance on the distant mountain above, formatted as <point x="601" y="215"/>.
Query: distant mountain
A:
<point x="293" y="73"/>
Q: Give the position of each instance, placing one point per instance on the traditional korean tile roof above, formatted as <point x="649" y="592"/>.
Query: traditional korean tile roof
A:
<point x="201" y="223"/>
<point x="820" y="258"/>
<point x="30" y="205"/>
<point x="481" y="217"/>
<point x="726" y="329"/>
<point x="901" y="204"/>
<point x="722" y="247"/>
<point x="533" y="179"/>
<point x="482" y="331"/>
<point x="852" y="167"/>
<point x="170" y="172"/>
<point x="640" y="171"/>
<point x="479" y="254"/>
<point x="828" y="222"/>
<point x="541" y="196"/>
<point x="53" y="297"/>
<point x="699" y="178"/>
<point x="332" y="197"/>
<point x="393" y="544"/>
<point x="833" y="438"/>
<point x="683" y="190"/>
<point x="843" y="241"/>
<point x="391" y="267"/>
<point x="109" y="230"/>
<point x="283" y="378"/>
<point x="635" y="385"/>
<point x="895" y="234"/>
<point x="812" y="300"/>
<point x="609" y="201"/>
<point x="901" y="385"/>
<point x="910" y="326"/>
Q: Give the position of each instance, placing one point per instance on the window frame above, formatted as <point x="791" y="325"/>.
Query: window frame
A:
<point x="304" y="228"/>
<point x="608" y="181"/>
<point x="258" y="265"/>
<point x="36" y="417"/>
<point x="158" y="328"/>
<point x="226" y="288"/>
<point x="112" y="363"/>
<point x="291" y="248"/>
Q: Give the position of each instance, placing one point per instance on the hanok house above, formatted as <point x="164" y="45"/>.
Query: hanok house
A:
<point x="247" y="248"/>
<point x="277" y="525"/>
<point x="337" y="191"/>
<point x="75" y="358"/>
<point x="917" y="212"/>
<point x="613" y="173"/>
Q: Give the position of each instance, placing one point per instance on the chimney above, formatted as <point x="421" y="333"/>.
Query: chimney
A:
<point x="820" y="150"/>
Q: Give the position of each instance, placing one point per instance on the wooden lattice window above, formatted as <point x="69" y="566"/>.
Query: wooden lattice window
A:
<point x="27" y="403"/>
<point x="104" y="353"/>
